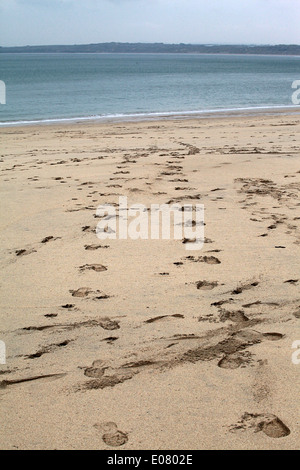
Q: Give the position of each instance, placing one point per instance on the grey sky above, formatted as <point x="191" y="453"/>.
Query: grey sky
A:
<point x="37" y="22"/>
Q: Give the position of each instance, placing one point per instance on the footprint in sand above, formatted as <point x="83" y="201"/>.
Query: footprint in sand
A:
<point x="93" y="267"/>
<point x="269" y="424"/>
<point x="209" y="260"/>
<point x="253" y="336"/>
<point x="243" y="287"/>
<point x="297" y="313"/>
<point x="292" y="281"/>
<point x="82" y="292"/>
<point x="111" y="435"/>
<point x="110" y="339"/>
<point x="24" y="252"/>
<point x="48" y="377"/>
<point x="272" y="336"/>
<point x="237" y="316"/>
<point x="108" y="324"/>
<point x="47" y="239"/>
<point x="188" y="240"/>
<point x="102" y="297"/>
<point x="48" y="349"/>
<point x="96" y="371"/>
<point x="234" y="361"/>
<point x="204" y="259"/>
<point x="206" y="285"/>
<point x="88" y="229"/>
<point x="161" y="317"/>
<point x="95" y="247"/>
<point x="258" y="302"/>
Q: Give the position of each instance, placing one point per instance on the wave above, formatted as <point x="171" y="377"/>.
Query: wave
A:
<point x="155" y="115"/>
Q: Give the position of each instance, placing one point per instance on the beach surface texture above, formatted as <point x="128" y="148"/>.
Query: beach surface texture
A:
<point x="144" y="344"/>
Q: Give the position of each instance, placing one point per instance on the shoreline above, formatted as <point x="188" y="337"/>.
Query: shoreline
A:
<point x="160" y="116"/>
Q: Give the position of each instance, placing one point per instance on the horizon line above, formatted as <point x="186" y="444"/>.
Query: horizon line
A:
<point x="210" y="44"/>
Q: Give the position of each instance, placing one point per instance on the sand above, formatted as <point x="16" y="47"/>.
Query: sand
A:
<point x="141" y="344"/>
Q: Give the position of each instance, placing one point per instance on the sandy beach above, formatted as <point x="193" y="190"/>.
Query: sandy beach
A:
<point x="142" y="344"/>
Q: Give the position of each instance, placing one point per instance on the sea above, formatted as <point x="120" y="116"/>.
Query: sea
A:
<point x="48" y="88"/>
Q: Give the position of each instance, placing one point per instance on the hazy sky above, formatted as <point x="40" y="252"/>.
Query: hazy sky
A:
<point x="37" y="22"/>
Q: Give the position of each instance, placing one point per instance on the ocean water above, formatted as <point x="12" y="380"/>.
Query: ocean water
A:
<point x="58" y="87"/>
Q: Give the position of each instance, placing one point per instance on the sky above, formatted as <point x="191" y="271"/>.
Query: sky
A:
<point x="46" y="22"/>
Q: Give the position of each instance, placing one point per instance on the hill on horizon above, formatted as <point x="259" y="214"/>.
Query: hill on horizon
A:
<point x="118" y="47"/>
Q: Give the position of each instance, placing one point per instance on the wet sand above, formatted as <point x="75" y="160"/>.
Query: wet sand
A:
<point x="142" y="344"/>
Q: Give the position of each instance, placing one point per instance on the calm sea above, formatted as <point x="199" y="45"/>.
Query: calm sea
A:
<point x="46" y="87"/>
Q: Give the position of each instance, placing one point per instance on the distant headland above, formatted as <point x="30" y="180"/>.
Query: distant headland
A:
<point x="152" y="48"/>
